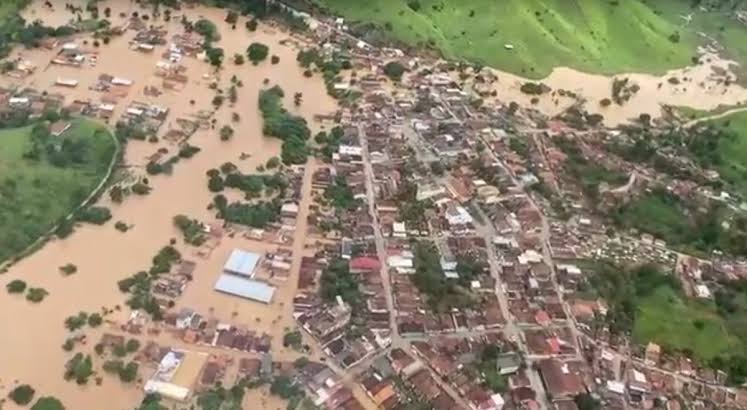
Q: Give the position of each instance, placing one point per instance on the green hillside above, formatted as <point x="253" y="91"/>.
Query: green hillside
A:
<point x="590" y="35"/>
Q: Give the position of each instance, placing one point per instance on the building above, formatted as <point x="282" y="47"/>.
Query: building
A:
<point x="236" y="279"/>
<point x="176" y="375"/>
<point x="242" y="263"/>
<point x="245" y="288"/>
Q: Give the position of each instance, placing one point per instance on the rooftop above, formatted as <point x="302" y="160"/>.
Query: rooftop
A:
<point x="245" y="288"/>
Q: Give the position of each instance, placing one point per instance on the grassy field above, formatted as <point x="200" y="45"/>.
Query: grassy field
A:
<point x="591" y="35"/>
<point x="666" y="318"/>
<point x="36" y="194"/>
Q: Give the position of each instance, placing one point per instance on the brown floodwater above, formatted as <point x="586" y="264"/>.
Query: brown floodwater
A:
<point x="31" y="351"/>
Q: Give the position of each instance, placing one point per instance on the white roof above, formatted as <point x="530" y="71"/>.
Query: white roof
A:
<point x="350" y="150"/>
<point x="702" y="291"/>
<point x="169" y="390"/>
<point x="399" y="227"/>
<point x="242" y="262"/>
<point x="638" y="376"/>
<point x="615" y="386"/>
<point x="396" y="261"/>
<point x="121" y="81"/>
<point x="245" y="288"/>
<point x="289" y="207"/>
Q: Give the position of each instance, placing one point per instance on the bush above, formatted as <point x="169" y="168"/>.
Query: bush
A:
<point x="22" y="394"/>
<point x="274" y="59"/>
<point x="238" y="59"/>
<point x="414" y="5"/>
<point x="36" y="295"/>
<point x="140" y="188"/>
<point x="95" y="214"/>
<point x="68" y="269"/>
<point x="257" y="52"/>
<point x="121" y="226"/>
<point x="95" y="320"/>
<point x="394" y="70"/>
<point x="251" y="25"/>
<point x="16" y="286"/>
<point x="534" y="88"/>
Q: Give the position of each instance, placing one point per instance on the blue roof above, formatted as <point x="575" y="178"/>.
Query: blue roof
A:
<point x="245" y="288"/>
<point x="242" y="262"/>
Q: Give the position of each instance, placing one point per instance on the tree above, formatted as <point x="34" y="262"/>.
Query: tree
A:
<point x="36" y="295"/>
<point x="257" y="52"/>
<point x="585" y="401"/>
<point x="79" y="368"/>
<point x="132" y="345"/>
<point x="293" y="339"/>
<point x="48" y="403"/>
<point x="16" y="286"/>
<point x="116" y="194"/>
<point x="215" y="56"/>
<point x="251" y="25"/>
<point x="95" y="320"/>
<point x="215" y="184"/>
<point x="226" y="132"/>
<point x="232" y="17"/>
<point x="128" y="373"/>
<point x="394" y="70"/>
<point x="272" y="163"/>
<point x="22" y="394"/>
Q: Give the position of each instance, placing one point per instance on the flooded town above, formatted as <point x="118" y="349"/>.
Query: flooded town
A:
<point x="279" y="214"/>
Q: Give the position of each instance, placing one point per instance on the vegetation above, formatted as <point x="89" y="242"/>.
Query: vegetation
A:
<point x="191" y="229"/>
<point x="16" y="286"/>
<point x="293" y="339"/>
<point x="79" y="368"/>
<point x="340" y="195"/>
<point x="41" y="185"/>
<point x="257" y="52"/>
<point x="429" y="278"/>
<point x="98" y="215"/>
<point x="48" y="403"/>
<point x="329" y="142"/>
<point x="279" y="123"/>
<point x="394" y="70"/>
<point x="36" y="295"/>
<point x="336" y="280"/>
<point x="22" y="394"/>
<point x="532" y="37"/>
<point x="68" y="269"/>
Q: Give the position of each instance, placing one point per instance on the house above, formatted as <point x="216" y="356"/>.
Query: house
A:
<point x="508" y="363"/>
<point x="560" y="380"/>
<point x="58" y="128"/>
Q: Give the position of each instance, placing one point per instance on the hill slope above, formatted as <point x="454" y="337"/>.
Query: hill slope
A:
<point x="589" y="35"/>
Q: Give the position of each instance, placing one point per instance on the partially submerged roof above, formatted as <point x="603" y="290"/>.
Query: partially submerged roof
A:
<point x="245" y="288"/>
<point x="242" y="262"/>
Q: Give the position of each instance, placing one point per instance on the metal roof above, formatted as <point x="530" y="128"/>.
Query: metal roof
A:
<point x="242" y="262"/>
<point x="245" y="288"/>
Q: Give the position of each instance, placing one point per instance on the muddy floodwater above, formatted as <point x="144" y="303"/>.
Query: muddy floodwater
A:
<point x="709" y="85"/>
<point x="33" y="333"/>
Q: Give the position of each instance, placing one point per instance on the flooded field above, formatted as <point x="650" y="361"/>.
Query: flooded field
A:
<point x="704" y="86"/>
<point x="32" y="351"/>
